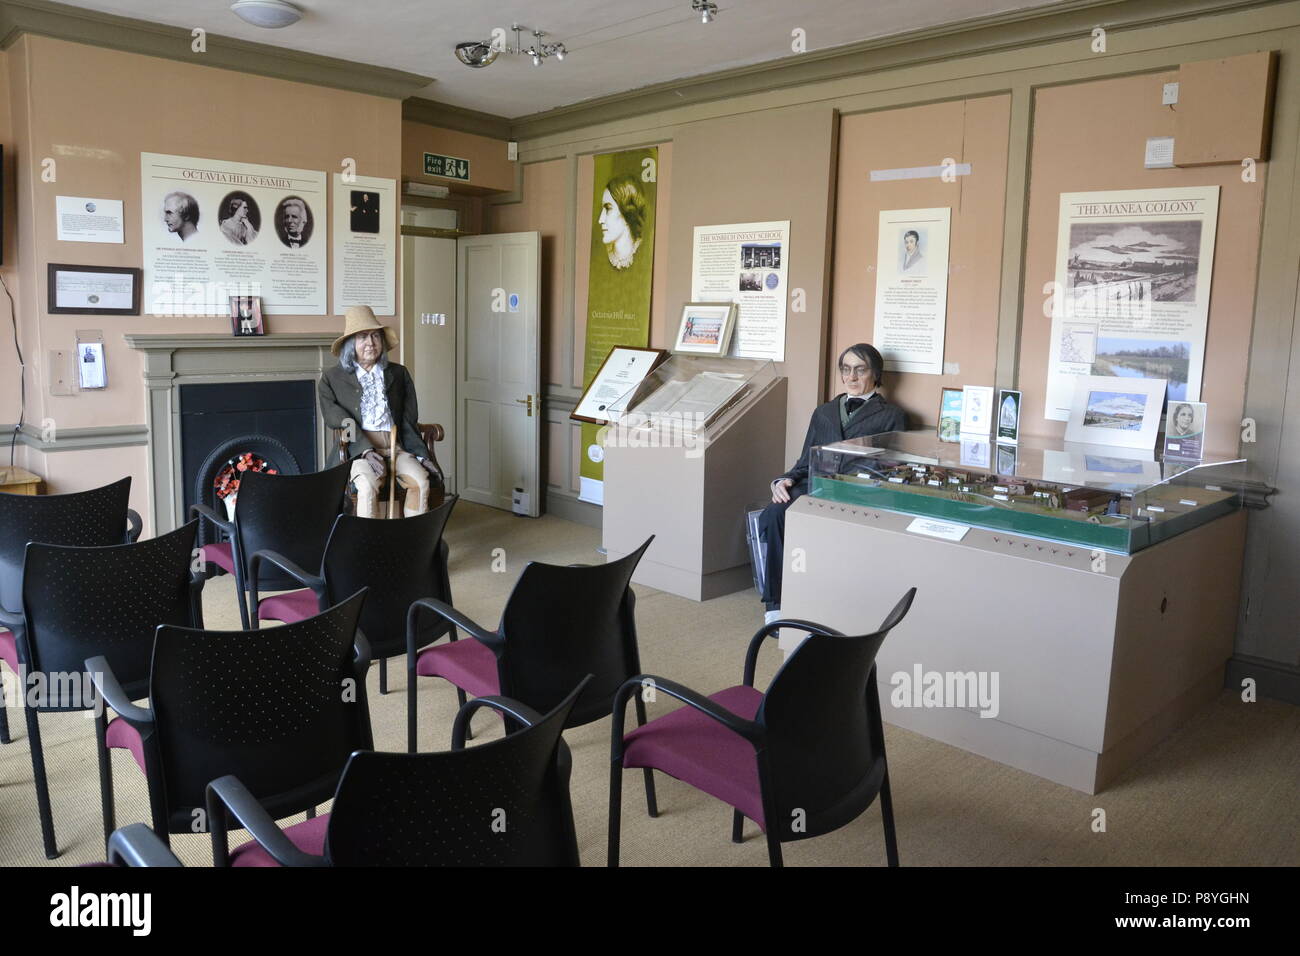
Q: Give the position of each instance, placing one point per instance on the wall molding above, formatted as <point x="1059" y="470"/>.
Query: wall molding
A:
<point x="63" y="22"/>
<point x="418" y="109"/>
<point x="81" y="439"/>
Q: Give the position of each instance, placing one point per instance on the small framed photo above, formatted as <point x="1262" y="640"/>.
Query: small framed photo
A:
<point x="1185" y="431"/>
<point x="1008" y="424"/>
<point x="706" y="328"/>
<point x="93" y="290"/>
<point x="950" y="414"/>
<point x="977" y="410"/>
<point x="246" y="315"/>
<point x="1110" y="410"/>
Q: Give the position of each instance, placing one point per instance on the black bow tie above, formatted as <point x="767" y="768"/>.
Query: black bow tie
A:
<point x="853" y="404"/>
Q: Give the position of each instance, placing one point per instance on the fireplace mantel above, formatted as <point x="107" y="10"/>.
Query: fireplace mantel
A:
<point x="173" y="359"/>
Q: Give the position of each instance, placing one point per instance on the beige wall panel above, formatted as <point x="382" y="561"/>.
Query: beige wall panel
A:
<point x="488" y="167"/>
<point x="1092" y="136"/>
<point x="968" y="131"/>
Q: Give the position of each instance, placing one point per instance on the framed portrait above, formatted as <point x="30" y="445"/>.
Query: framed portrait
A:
<point x="622" y="371"/>
<point x="950" y="414"/>
<point x="1185" y="431"/>
<point x="93" y="290"/>
<point x="1007" y="427"/>
<point x="1110" y="410"/>
<point x="977" y="410"/>
<point x="246" y="315"/>
<point x="706" y="328"/>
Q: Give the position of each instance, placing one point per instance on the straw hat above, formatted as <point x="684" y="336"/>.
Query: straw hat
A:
<point x="361" y="318"/>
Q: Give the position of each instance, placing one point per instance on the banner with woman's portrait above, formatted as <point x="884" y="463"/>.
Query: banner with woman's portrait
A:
<point x="618" y="287"/>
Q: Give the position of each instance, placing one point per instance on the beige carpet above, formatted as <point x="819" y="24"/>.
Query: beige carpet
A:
<point x="1222" y="791"/>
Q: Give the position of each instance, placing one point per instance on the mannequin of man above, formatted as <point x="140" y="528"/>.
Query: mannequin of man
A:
<point x="373" y="394"/>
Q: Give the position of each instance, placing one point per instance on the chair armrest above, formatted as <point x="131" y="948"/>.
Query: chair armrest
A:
<point x="770" y="630"/>
<point x="313" y="581"/>
<point x="203" y="511"/>
<point x="227" y="793"/>
<point x="709" y="708"/>
<point x="137" y="845"/>
<point x="133" y="526"/>
<point x="449" y="613"/>
<point x="110" y="690"/>
<point x="12" y="620"/>
<point x="510" y="708"/>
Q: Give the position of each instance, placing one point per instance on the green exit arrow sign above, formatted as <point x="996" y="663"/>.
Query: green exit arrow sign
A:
<point x="449" y="167"/>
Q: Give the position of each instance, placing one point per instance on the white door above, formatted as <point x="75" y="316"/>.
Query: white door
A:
<point x="498" y="369"/>
<point x="429" y="337"/>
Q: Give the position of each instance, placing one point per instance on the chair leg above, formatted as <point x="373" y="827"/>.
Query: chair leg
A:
<point x="107" y="810"/>
<point x="410" y="708"/>
<point x="615" y="808"/>
<point x="651" y="801"/>
<point x="737" y="827"/>
<point x="4" y="717"/>
<point x="239" y="590"/>
<point x="460" y="702"/>
<point x="887" y="815"/>
<point x="383" y="675"/>
<point x="774" y="851"/>
<point x="42" y="784"/>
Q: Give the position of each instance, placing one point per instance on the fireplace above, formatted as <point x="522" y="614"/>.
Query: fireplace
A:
<point x="212" y="397"/>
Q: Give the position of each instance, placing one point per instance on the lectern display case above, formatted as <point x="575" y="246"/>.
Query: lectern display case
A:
<point x="1086" y="495"/>
<point x="696" y="393"/>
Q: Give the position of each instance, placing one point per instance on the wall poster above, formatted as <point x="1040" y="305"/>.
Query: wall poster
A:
<point x="912" y="289"/>
<point x="365" y="243"/>
<point x="618" y="285"/>
<point x="213" y="229"/>
<point x="1132" y="291"/>
<point x="749" y="264"/>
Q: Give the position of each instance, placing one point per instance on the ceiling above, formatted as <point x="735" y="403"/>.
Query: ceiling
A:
<point x="614" y="45"/>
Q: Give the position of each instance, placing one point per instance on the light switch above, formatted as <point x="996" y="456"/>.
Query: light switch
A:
<point x="1170" y="96"/>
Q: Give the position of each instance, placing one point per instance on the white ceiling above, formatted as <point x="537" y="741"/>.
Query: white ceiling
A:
<point x="614" y="45"/>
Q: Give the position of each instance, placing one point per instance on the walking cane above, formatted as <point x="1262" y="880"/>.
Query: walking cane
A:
<point x="392" y="469"/>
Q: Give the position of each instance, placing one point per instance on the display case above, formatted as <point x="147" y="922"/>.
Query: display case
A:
<point x="697" y="394"/>
<point x="1099" y="497"/>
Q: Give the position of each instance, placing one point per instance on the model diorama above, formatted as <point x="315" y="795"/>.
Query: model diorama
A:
<point x="1120" y="510"/>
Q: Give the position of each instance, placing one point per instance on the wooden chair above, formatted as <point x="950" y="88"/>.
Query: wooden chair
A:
<point x="437" y="491"/>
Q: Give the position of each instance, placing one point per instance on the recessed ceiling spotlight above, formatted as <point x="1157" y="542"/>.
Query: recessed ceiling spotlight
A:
<point x="476" y="53"/>
<point x="271" y="14"/>
<point x="707" y="10"/>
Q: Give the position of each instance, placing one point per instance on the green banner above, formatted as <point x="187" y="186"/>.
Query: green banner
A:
<point x="618" y="289"/>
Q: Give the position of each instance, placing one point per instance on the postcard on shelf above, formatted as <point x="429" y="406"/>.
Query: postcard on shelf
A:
<point x="977" y="410"/>
<point x="1008" y="429"/>
<point x="950" y="414"/>
<point x="1185" y="431"/>
<point x="1115" y="411"/>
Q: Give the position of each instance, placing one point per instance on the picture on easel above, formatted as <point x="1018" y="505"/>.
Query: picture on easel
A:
<point x="246" y="315"/>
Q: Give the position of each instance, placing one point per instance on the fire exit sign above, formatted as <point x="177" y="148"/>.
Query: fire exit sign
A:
<point x="448" y="167"/>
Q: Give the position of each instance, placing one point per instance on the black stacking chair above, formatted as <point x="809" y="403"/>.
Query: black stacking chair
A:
<point x="559" y="624"/>
<point x="103" y="602"/>
<point x="504" y="803"/>
<point x="398" y="561"/>
<point x="137" y="845"/>
<point x="84" y="518"/>
<point x="801" y="760"/>
<point x="289" y="514"/>
<point x="282" y="710"/>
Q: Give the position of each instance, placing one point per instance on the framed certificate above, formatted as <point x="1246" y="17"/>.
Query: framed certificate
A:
<point x="93" y="290"/>
<point x="623" y="370"/>
<point x="706" y="328"/>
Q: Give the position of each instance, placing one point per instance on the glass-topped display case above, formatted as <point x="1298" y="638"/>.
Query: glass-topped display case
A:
<point x="1095" y="496"/>
<point x="693" y="393"/>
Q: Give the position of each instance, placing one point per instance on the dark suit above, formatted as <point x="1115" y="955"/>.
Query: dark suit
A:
<point x="339" y="394"/>
<point x="873" y="418"/>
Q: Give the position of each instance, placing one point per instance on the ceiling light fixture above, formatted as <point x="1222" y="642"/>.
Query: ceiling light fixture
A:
<point x="269" y="14"/>
<point x="707" y="10"/>
<point x="481" y="53"/>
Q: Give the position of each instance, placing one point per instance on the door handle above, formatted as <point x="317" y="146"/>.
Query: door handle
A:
<point x="527" y="401"/>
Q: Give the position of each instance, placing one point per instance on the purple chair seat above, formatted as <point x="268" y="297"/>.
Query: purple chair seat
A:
<point x="698" y="750"/>
<point x="289" y="607"/>
<point x="9" y="650"/>
<point x="467" y="663"/>
<point x="122" y="736"/>
<point x="308" y="836"/>
<point x="220" y="555"/>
